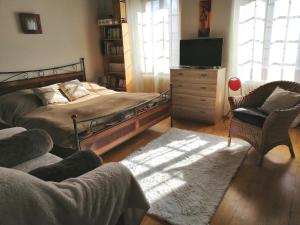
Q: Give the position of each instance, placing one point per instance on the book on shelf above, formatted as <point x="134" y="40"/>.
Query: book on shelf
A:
<point x="110" y="49"/>
<point x="112" y="33"/>
<point x="116" y="67"/>
<point x="113" y="82"/>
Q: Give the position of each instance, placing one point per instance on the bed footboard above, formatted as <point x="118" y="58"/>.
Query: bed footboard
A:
<point x="112" y="137"/>
<point x="114" y="133"/>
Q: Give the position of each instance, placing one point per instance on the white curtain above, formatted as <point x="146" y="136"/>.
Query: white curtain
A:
<point x="265" y="40"/>
<point x="154" y="34"/>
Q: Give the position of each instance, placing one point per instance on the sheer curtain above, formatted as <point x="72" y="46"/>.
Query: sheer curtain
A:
<point x="265" y="41"/>
<point x="154" y="34"/>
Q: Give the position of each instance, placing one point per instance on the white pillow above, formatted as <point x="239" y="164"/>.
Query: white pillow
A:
<point x="73" y="89"/>
<point x="50" y="95"/>
<point x="280" y="99"/>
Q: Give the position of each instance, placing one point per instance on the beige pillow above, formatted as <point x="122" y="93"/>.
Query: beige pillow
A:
<point x="73" y="89"/>
<point x="280" y="99"/>
<point x="50" y="95"/>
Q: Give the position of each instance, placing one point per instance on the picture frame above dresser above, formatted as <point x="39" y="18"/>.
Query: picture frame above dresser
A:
<point x="198" y="94"/>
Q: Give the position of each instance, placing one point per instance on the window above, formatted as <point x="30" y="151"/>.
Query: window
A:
<point x="158" y="36"/>
<point x="268" y="40"/>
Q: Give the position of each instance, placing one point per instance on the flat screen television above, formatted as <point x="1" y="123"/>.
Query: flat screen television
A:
<point x="203" y="53"/>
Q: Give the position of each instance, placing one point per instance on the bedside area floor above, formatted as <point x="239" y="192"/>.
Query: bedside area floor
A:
<point x="256" y="196"/>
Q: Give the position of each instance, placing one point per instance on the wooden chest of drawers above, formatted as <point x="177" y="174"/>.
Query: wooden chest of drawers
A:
<point x="198" y="94"/>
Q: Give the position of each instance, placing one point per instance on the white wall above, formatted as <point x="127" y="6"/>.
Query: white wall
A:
<point x="69" y="32"/>
<point x="219" y="26"/>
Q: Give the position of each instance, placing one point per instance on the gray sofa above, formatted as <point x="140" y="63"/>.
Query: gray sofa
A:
<point x="43" y="160"/>
<point x="107" y="195"/>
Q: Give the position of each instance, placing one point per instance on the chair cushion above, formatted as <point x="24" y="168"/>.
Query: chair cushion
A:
<point x="280" y="99"/>
<point x="250" y="115"/>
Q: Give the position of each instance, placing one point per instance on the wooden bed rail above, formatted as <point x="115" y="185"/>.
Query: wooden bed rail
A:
<point x="132" y="121"/>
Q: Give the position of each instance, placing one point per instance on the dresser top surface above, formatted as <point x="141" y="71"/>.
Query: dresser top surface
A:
<point x="195" y="68"/>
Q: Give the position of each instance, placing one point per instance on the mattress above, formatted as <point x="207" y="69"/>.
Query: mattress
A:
<point x="24" y="109"/>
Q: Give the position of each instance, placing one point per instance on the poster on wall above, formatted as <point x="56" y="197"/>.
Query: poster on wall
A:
<point x="204" y="19"/>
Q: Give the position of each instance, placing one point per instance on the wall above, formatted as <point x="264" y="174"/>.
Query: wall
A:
<point x="220" y="21"/>
<point x="69" y="32"/>
<point x="219" y="27"/>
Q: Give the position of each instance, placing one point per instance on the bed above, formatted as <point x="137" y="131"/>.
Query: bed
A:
<point x="99" y="122"/>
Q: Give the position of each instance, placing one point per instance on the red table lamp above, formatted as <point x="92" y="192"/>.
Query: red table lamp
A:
<point x="234" y="84"/>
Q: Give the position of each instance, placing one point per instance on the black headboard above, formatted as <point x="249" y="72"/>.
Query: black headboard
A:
<point x="17" y="80"/>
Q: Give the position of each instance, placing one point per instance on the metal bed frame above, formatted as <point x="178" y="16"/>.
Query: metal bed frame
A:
<point x="104" y="132"/>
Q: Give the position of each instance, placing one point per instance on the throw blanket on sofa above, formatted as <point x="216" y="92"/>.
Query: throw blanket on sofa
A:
<point x="108" y="195"/>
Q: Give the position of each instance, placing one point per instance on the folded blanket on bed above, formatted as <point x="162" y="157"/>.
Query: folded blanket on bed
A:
<point x="104" y="196"/>
<point x="72" y="166"/>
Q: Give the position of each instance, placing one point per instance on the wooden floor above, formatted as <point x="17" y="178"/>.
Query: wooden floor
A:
<point x="257" y="196"/>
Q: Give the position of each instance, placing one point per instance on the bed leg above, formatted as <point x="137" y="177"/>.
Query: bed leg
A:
<point x="74" y="118"/>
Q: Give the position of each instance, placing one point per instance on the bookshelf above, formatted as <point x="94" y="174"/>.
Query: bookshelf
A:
<point x="112" y="45"/>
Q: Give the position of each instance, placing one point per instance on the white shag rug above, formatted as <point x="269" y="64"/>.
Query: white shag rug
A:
<point x="185" y="174"/>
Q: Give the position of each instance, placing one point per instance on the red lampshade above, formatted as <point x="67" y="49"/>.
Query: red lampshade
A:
<point x="234" y="84"/>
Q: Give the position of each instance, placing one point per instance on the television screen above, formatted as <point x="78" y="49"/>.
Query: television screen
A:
<point x="201" y="52"/>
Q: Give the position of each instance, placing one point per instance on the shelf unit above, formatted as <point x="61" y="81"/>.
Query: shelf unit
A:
<point x="112" y="45"/>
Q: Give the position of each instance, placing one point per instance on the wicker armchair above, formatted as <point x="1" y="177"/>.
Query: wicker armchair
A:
<point x="275" y="128"/>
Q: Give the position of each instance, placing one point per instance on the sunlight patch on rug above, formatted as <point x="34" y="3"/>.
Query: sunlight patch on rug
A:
<point x="185" y="174"/>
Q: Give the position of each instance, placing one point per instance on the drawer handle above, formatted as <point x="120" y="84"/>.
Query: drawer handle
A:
<point x="204" y="88"/>
<point x="180" y="74"/>
<point x="203" y="75"/>
<point x="203" y="100"/>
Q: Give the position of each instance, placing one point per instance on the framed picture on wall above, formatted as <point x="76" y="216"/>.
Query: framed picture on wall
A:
<point x="30" y="23"/>
<point x="204" y="18"/>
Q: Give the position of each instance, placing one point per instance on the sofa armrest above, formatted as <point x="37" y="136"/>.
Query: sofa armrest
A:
<point x="107" y="195"/>
<point x="24" y="146"/>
